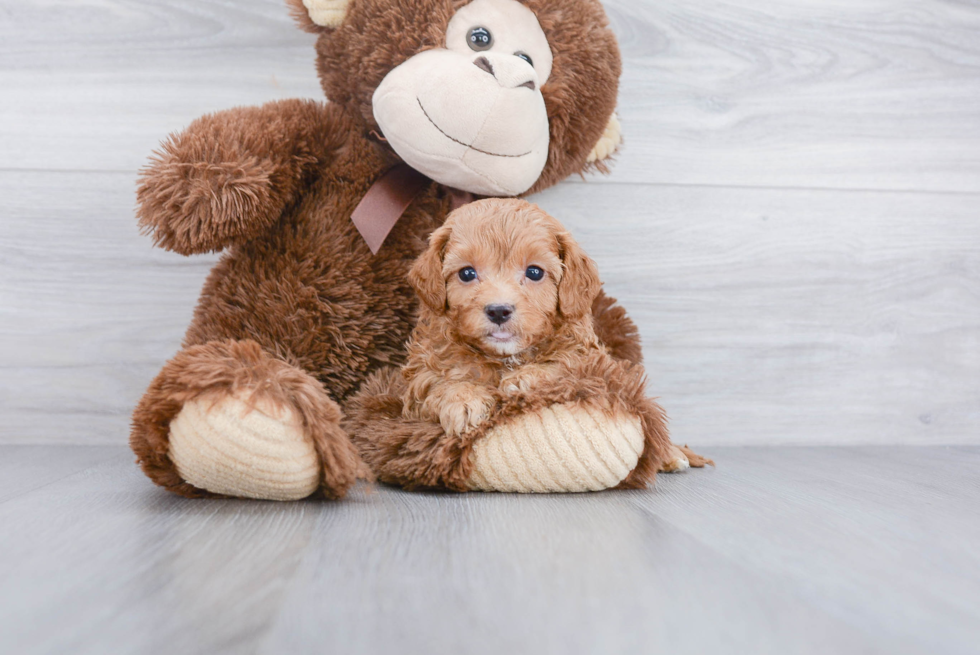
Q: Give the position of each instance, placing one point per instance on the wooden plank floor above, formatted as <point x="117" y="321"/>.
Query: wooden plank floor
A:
<point x="778" y="550"/>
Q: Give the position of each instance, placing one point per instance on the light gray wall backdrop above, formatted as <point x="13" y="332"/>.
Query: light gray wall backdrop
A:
<point x="794" y="220"/>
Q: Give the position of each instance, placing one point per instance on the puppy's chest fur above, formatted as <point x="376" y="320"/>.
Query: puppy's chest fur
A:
<point x="434" y="361"/>
<point x="478" y="368"/>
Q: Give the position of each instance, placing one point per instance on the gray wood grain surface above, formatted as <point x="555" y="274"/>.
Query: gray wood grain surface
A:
<point x="794" y="221"/>
<point x="778" y="550"/>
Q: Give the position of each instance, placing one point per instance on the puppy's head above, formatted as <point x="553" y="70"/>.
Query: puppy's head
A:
<point x="505" y="275"/>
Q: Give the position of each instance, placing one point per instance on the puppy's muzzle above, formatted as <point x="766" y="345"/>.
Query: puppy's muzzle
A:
<point x="499" y="314"/>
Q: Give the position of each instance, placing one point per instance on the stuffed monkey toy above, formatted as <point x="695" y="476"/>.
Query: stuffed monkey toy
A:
<point x="320" y="208"/>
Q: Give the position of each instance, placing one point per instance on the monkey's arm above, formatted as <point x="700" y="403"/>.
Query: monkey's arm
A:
<point x="229" y="175"/>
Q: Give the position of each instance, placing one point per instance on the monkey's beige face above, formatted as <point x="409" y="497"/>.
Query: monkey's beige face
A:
<point x="502" y="285"/>
<point x="471" y="114"/>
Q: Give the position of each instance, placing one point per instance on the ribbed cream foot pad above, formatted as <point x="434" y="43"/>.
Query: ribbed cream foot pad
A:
<point x="224" y="448"/>
<point x="560" y="448"/>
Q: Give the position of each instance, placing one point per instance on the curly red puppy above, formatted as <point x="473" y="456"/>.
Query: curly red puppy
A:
<point x="507" y="296"/>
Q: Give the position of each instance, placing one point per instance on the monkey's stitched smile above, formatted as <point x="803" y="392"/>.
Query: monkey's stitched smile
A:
<point x="492" y="154"/>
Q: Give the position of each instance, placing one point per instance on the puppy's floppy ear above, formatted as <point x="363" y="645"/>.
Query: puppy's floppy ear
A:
<point x="580" y="283"/>
<point x="426" y="273"/>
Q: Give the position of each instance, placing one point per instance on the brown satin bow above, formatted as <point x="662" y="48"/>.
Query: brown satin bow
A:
<point x="388" y="198"/>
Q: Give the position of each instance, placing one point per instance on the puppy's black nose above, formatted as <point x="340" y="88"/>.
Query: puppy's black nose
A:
<point x="499" y="314"/>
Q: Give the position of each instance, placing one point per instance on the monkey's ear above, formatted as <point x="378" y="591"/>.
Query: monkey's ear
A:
<point x="318" y="15"/>
<point x="608" y="143"/>
<point x="580" y="283"/>
<point x="426" y="273"/>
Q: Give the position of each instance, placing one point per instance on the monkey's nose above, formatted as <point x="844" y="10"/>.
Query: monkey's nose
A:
<point x="510" y="72"/>
<point x="499" y="314"/>
<point x="484" y="64"/>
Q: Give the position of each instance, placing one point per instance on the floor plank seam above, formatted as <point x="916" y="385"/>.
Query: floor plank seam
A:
<point x="20" y="494"/>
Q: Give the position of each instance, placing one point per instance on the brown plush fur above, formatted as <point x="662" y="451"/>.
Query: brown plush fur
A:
<point x="617" y="331"/>
<point x="297" y="291"/>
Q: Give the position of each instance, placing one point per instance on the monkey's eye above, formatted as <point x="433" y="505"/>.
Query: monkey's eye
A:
<point x="526" y="57"/>
<point x="479" y="38"/>
<point x="467" y="274"/>
<point x="535" y="273"/>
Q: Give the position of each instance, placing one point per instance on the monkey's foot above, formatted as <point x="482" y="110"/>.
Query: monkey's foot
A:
<point x="235" y="446"/>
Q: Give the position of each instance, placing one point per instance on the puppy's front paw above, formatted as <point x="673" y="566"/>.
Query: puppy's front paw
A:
<point x="525" y="379"/>
<point x="464" y="415"/>
<point x="515" y="384"/>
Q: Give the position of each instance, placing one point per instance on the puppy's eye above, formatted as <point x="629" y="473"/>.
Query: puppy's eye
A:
<point x="535" y="273"/>
<point x="479" y="38"/>
<point x="467" y="274"/>
<point x="526" y="57"/>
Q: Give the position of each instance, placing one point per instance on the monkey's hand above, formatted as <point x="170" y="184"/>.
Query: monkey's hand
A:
<point x="228" y="177"/>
